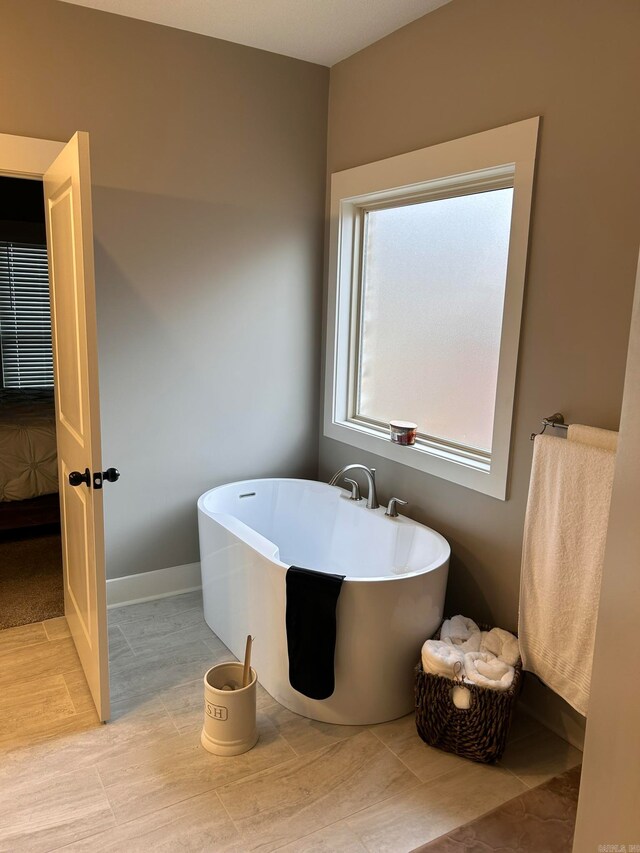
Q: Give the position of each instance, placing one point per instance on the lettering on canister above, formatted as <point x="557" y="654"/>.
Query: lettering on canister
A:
<point x="217" y="712"/>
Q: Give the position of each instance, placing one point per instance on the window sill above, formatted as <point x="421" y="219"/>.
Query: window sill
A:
<point x="479" y="474"/>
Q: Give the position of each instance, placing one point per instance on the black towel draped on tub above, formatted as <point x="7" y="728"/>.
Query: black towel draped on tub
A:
<point x="311" y="630"/>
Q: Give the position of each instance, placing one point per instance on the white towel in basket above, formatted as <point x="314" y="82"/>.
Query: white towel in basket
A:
<point x="462" y="632"/>
<point x="502" y="644"/>
<point x="486" y="670"/>
<point x="440" y="658"/>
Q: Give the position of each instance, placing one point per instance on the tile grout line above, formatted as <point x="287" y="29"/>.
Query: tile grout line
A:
<point x="226" y="811"/>
<point x="531" y="736"/>
<point x="106" y="793"/>
<point x="106" y="796"/>
<point x="214" y="790"/>
<point x="446" y="772"/>
<point x="150" y="615"/>
<point x="44" y="625"/>
<point x="320" y="829"/>
<point x="73" y="704"/>
<point x="256" y="773"/>
<point x="186" y="799"/>
<point x="253" y="775"/>
<point x="153" y="811"/>
<point x="515" y="776"/>
<point x="145" y="692"/>
<point x="122" y="634"/>
<point x="276" y="704"/>
<point x="168" y="713"/>
<point x="162" y="636"/>
<point x="347" y="818"/>
<point x="395" y="755"/>
<point x="315" y="752"/>
<point x="28" y="644"/>
<point x="344" y="818"/>
<point x="374" y="804"/>
<point x="163" y="808"/>
<point x="37" y="678"/>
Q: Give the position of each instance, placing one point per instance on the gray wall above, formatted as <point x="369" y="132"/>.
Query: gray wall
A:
<point x="208" y="164"/>
<point x="464" y="68"/>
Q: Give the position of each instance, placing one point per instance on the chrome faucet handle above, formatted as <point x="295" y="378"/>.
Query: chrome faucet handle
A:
<point x="392" y="509"/>
<point x="355" y="490"/>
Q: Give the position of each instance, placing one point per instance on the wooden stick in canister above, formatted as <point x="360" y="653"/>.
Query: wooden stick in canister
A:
<point x="246" y="672"/>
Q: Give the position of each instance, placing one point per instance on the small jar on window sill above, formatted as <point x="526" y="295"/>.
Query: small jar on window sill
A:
<point x="403" y="432"/>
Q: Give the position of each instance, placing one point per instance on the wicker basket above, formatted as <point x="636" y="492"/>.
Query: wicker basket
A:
<point x="479" y="732"/>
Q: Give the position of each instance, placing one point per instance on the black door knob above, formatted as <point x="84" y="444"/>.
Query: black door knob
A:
<point x="111" y="475"/>
<point x="77" y="479"/>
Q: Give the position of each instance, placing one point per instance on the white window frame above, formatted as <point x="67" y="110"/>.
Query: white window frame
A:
<point x="496" y="158"/>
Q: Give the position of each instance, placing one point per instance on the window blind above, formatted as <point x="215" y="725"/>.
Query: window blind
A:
<point x="25" y="316"/>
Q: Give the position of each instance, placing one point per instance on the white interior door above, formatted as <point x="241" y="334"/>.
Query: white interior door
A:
<point x="67" y="190"/>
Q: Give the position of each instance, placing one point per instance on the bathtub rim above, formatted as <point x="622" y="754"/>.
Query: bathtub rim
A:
<point x="269" y="549"/>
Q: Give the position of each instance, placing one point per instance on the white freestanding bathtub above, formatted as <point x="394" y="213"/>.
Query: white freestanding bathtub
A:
<point x="391" y="600"/>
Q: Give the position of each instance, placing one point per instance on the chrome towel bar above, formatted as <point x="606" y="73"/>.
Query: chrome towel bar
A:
<point x="556" y="421"/>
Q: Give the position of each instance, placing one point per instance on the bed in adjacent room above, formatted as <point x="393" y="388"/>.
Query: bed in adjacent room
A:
<point x="28" y="458"/>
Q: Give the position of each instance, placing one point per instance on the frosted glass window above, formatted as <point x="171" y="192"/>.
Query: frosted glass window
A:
<point x="433" y="286"/>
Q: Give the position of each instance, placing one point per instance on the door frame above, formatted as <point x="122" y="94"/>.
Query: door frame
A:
<point x="29" y="157"/>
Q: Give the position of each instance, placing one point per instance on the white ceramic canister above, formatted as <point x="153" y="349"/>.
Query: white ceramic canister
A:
<point x="229" y="715"/>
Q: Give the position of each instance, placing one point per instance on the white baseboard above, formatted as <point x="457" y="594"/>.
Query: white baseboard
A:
<point x="160" y="583"/>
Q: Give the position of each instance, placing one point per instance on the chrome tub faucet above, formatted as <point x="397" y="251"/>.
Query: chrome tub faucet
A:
<point x="370" y="474"/>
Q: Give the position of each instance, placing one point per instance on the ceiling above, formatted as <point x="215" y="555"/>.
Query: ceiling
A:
<point x="322" y="31"/>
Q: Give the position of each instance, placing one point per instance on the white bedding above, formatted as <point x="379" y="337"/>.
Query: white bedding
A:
<point x="28" y="458"/>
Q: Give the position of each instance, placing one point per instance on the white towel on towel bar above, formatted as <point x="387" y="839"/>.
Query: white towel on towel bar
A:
<point x="564" y="539"/>
<point x="605" y="438"/>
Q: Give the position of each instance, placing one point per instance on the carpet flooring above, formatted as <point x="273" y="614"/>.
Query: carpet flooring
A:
<point x="30" y="577"/>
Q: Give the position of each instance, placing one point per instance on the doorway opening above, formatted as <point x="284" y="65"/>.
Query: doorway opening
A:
<point x="65" y="175"/>
<point x="31" y="579"/>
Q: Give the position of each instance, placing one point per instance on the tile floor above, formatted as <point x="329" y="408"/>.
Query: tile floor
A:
<point x="143" y="782"/>
<point x="42" y="686"/>
<point x="540" y="819"/>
